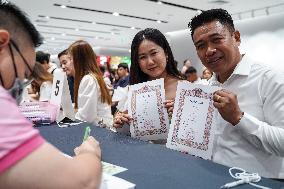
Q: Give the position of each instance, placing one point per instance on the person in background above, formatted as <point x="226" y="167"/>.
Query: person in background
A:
<point x="106" y="78"/>
<point x="106" y="73"/>
<point x="26" y="159"/>
<point x="123" y="74"/>
<point x="250" y="132"/>
<point x="115" y="77"/>
<point x="151" y="58"/>
<point x="186" y="64"/>
<point x="91" y="95"/>
<point x="42" y="83"/>
<point x="191" y="74"/>
<point x="44" y="59"/>
<point x="192" y="77"/>
<point x="206" y="74"/>
<point x="65" y="62"/>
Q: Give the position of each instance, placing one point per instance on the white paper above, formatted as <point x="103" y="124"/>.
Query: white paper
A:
<point x="108" y="180"/>
<point x="146" y="107"/>
<point x="113" y="182"/>
<point x="112" y="169"/>
<point x="60" y="96"/>
<point x="193" y="122"/>
<point x="120" y="95"/>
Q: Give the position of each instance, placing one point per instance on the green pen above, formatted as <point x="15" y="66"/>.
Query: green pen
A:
<point x="87" y="133"/>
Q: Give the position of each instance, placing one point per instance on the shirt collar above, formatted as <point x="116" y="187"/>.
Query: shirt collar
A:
<point x="242" y="68"/>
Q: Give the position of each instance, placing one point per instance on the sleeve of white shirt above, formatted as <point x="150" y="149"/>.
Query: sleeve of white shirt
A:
<point x="268" y="134"/>
<point x="45" y="91"/>
<point x="87" y="99"/>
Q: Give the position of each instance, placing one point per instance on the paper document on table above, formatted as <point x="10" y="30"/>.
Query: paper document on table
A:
<point x="193" y="122"/>
<point x="107" y="168"/>
<point x="112" y="169"/>
<point x="113" y="182"/>
<point x="108" y="180"/>
<point x="146" y="107"/>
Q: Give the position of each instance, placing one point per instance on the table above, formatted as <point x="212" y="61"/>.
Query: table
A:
<point x="149" y="165"/>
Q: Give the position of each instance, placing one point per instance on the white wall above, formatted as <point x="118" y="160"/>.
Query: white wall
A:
<point x="262" y="39"/>
<point x="105" y="51"/>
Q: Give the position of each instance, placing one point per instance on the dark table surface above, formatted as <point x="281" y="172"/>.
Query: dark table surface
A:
<point x="149" y="165"/>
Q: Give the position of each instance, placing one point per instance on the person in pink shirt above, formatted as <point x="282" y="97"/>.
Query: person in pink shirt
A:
<point x="24" y="155"/>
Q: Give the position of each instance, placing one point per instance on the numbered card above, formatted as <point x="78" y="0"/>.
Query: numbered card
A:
<point x="60" y="96"/>
<point x="145" y="106"/>
<point x="193" y="122"/>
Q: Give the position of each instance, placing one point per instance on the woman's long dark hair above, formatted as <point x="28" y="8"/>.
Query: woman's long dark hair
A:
<point x="154" y="35"/>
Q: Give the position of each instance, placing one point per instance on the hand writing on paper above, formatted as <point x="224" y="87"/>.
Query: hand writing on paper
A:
<point x="91" y="145"/>
<point x="169" y="104"/>
<point x="227" y="104"/>
<point x="121" y="118"/>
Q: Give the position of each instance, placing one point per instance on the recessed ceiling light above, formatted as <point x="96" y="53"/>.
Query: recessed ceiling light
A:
<point x="53" y="38"/>
<point x="76" y="29"/>
<point x="159" y="21"/>
<point x="198" y="12"/>
<point x="115" y="14"/>
<point x="63" y="34"/>
<point x="133" y="28"/>
<point x="93" y="22"/>
<point x="159" y="2"/>
<point x="47" y="17"/>
<point x="63" y="6"/>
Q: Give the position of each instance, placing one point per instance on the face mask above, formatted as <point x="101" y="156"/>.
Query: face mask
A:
<point x="16" y="91"/>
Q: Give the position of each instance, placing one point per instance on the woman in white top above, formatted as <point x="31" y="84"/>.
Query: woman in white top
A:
<point x="42" y="84"/>
<point x="151" y="58"/>
<point x="91" y="96"/>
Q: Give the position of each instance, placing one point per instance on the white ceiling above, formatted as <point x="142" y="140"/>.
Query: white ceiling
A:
<point x="99" y="28"/>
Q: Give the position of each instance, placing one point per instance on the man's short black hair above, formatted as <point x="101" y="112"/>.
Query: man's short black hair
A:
<point x="17" y="23"/>
<point x="64" y="52"/>
<point x="123" y="65"/>
<point x="210" y="15"/>
<point x="42" y="57"/>
<point x="190" y="70"/>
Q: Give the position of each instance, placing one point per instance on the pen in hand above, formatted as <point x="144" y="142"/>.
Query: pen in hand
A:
<point x="87" y="133"/>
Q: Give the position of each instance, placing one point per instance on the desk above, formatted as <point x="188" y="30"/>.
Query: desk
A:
<point x="149" y="165"/>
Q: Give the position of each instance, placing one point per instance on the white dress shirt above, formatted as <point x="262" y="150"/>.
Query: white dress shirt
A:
<point x="45" y="91"/>
<point x="256" y="144"/>
<point x="90" y="107"/>
<point x="201" y="81"/>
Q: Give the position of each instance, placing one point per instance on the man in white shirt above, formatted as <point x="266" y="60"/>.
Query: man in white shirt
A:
<point x="250" y="128"/>
<point x="65" y="64"/>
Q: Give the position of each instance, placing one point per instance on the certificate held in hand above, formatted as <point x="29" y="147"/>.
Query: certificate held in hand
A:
<point x="193" y="123"/>
<point x="145" y="106"/>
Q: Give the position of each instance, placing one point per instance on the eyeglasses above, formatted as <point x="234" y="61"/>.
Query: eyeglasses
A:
<point x="29" y="77"/>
